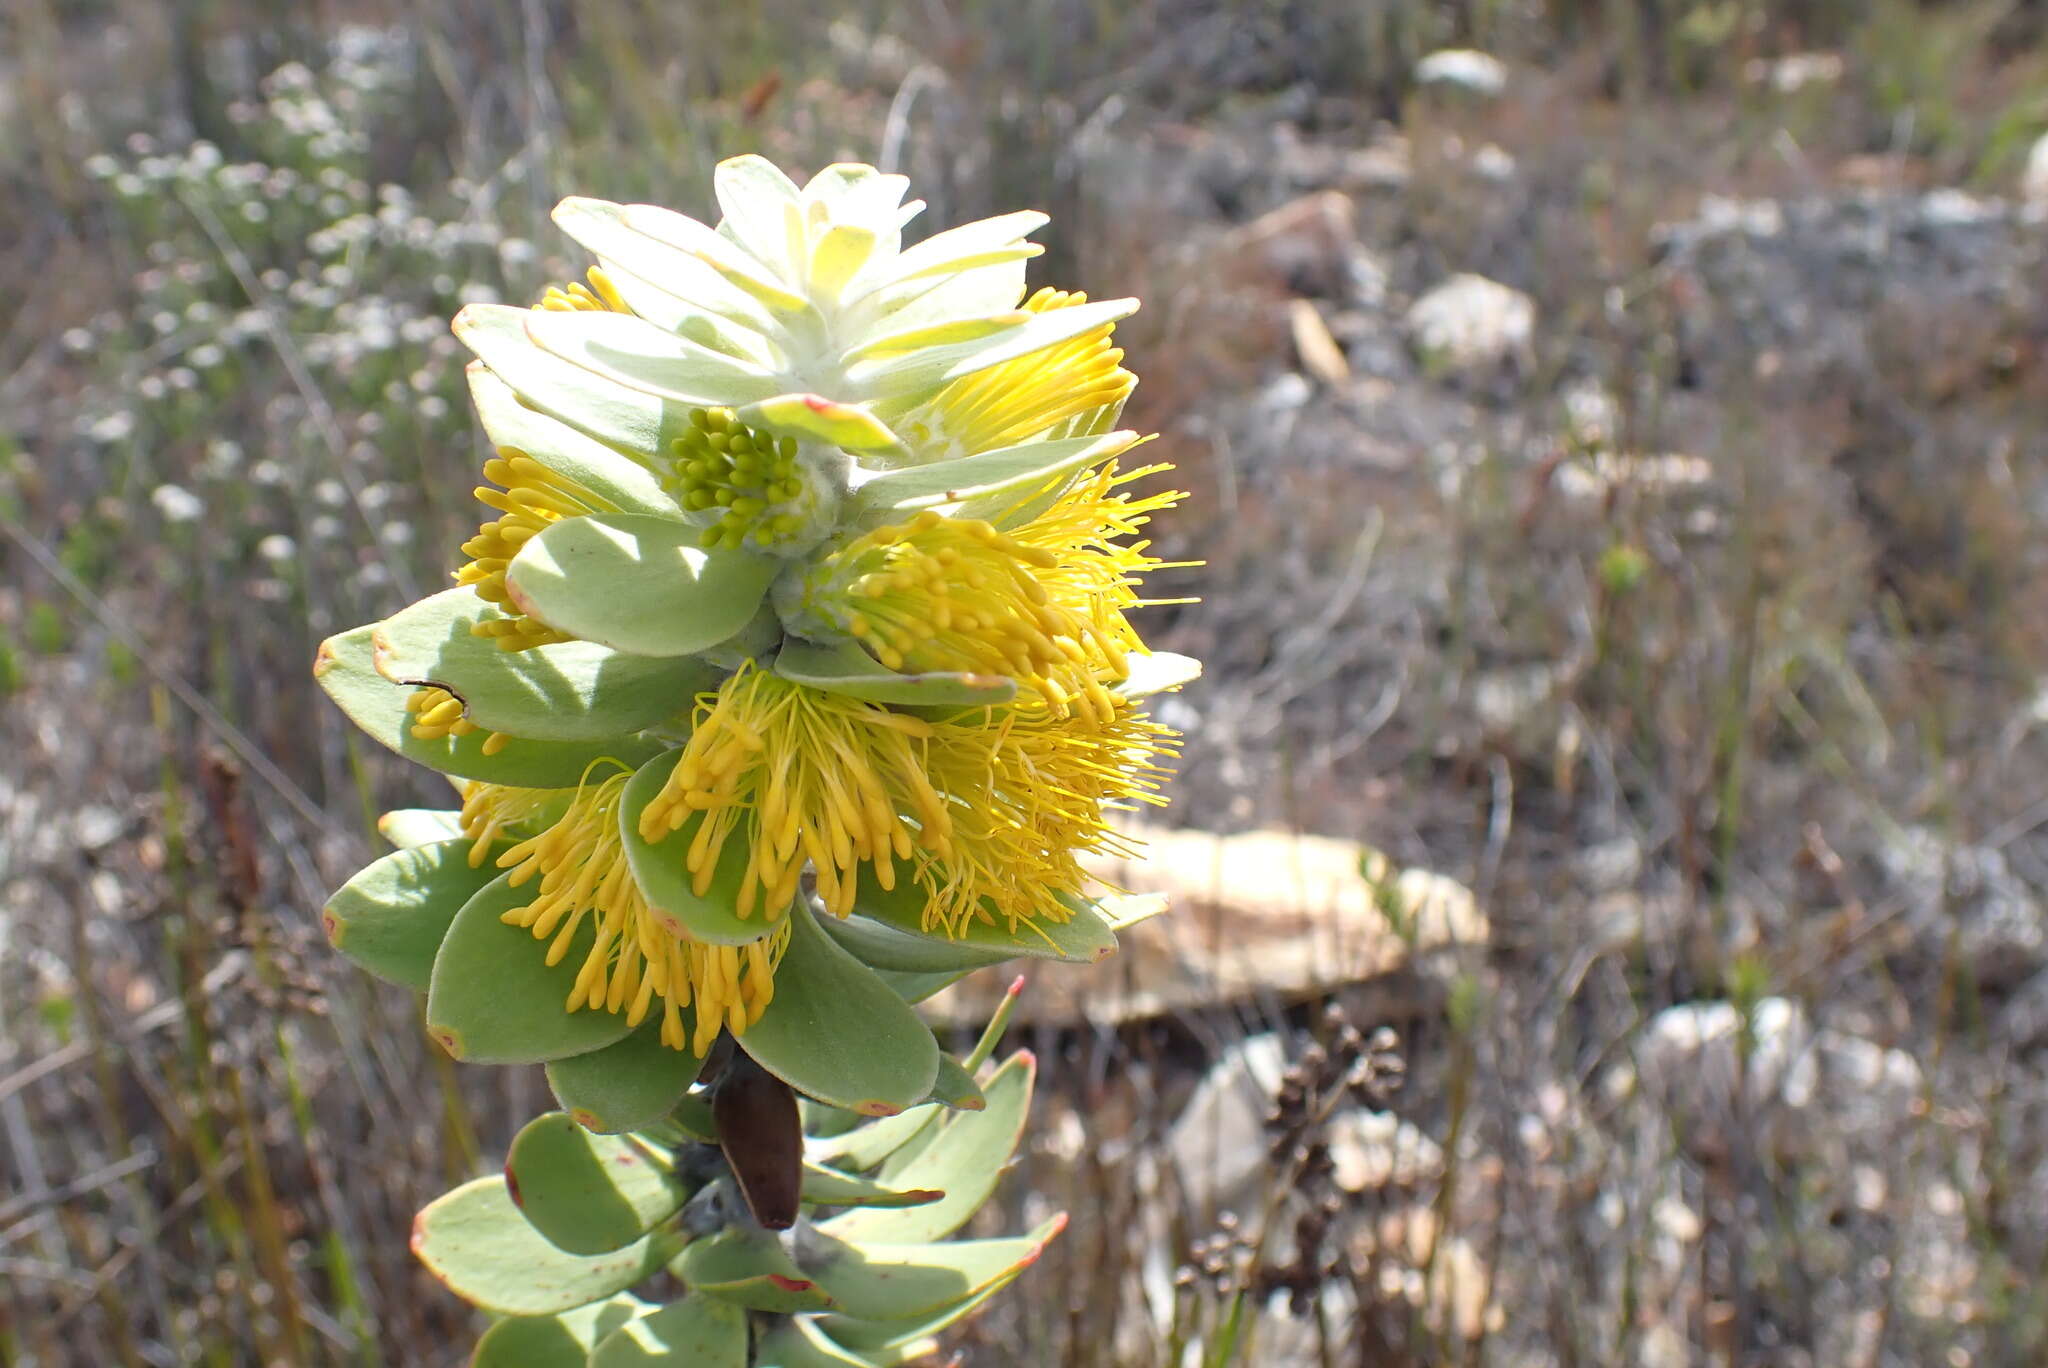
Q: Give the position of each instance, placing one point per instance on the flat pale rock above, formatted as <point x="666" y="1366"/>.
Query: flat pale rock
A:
<point x="1263" y="917"/>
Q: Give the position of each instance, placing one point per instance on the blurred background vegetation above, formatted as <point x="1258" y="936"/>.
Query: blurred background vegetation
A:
<point x="1619" y="448"/>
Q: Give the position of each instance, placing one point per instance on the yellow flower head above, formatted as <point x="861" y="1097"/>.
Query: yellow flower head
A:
<point x="1017" y="400"/>
<point x="638" y="956"/>
<point x="1029" y="790"/>
<point x="824" y="531"/>
<point x="988" y="809"/>
<point x="1043" y="605"/>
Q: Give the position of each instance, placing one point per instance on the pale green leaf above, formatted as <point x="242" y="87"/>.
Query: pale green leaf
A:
<point x="986" y="473"/>
<point x="670" y="890"/>
<point x="590" y="1194"/>
<point x="816" y="418"/>
<point x="684" y="281"/>
<point x="823" y="1186"/>
<point x="345" y="668"/>
<point x="409" y="827"/>
<point x="474" y="1240"/>
<point x="610" y="474"/>
<point x="626" y="1086"/>
<point x="895" y="1282"/>
<point x="837" y="1032"/>
<point x="739" y="267"/>
<point x="632" y="352"/>
<point x="964" y="1155"/>
<point x="847" y="669"/>
<point x="838" y="256"/>
<point x="748" y="1267"/>
<point x="927" y="369"/>
<point x="566" y="691"/>
<point x="391" y="917"/>
<point x="560" y="1341"/>
<point x="640" y="584"/>
<point x="616" y="415"/>
<point x="696" y="1332"/>
<point x="758" y="203"/>
<point x="971" y="244"/>
<point x="494" y="999"/>
<point x="799" y="1343"/>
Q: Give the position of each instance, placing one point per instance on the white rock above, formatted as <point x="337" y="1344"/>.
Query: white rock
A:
<point x="2034" y="180"/>
<point x="1690" y="1058"/>
<point x="1948" y="207"/>
<point x="1610" y="864"/>
<point x="1218" y="1146"/>
<point x="1663" y="1346"/>
<point x="1371" y="1150"/>
<point x="1494" y="163"/>
<point x="1469" y="323"/>
<point x="1476" y="73"/>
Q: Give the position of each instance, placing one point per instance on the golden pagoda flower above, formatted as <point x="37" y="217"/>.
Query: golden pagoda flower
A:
<point x="792" y="671"/>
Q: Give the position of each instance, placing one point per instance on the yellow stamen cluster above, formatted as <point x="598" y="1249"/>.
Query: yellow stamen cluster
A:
<point x="1094" y="574"/>
<point x="1030" y="790"/>
<point x="987" y="810"/>
<point x="1012" y="402"/>
<point x="637" y="956"/>
<point x="746" y="480"/>
<point x="533" y="496"/>
<point x="491" y="812"/>
<point x="600" y="296"/>
<point x="439" y="713"/>
<point x="814" y="776"/>
<point x="938" y="594"/>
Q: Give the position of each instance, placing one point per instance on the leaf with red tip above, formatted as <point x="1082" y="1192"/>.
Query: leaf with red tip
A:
<point x="391" y="917"/>
<point x="749" y="1268"/>
<point x="590" y="1194"/>
<point x="626" y="1086"/>
<point x="901" y="1282"/>
<point x="477" y="1242"/>
<point x="965" y="1155"/>
<point x="824" y="1186"/>
<point x="494" y="999"/>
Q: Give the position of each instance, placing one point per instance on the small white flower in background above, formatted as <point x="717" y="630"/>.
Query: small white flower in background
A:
<point x="177" y="504"/>
<point x="277" y="548"/>
<point x="223" y="456"/>
<point x="114" y="427"/>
